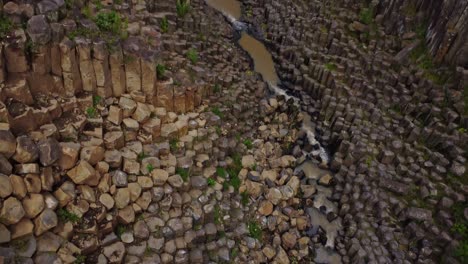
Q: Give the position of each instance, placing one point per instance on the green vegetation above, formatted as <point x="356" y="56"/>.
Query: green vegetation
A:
<point x="233" y="172"/>
<point x="216" y="88"/>
<point x="221" y="172"/>
<point x="218" y="130"/>
<point x="184" y="173"/>
<point x="79" y="259"/>
<point x="150" y="167"/>
<point x="120" y="229"/>
<point x="248" y="143"/>
<point x="6" y="26"/>
<point x="192" y="55"/>
<point x="164" y="25"/>
<point x="65" y="216"/>
<point x="96" y="100"/>
<point x="211" y="182"/>
<point x="460" y="229"/>
<point x="86" y="12"/>
<point x="91" y="112"/>
<point x="244" y="198"/>
<point x="366" y="16"/>
<point x="215" y="110"/>
<point x="255" y="230"/>
<point x="174" y="144"/>
<point x="142" y="155"/>
<point x="182" y="7"/>
<point x="111" y="22"/>
<point x="160" y="71"/>
<point x="330" y="66"/>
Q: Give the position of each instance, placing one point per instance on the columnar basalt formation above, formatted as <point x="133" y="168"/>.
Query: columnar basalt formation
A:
<point x="138" y="132"/>
<point x="398" y="126"/>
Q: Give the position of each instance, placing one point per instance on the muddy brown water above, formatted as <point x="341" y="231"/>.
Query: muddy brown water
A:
<point x="263" y="64"/>
<point x="230" y="8"/>
<point x="263" y="61"/>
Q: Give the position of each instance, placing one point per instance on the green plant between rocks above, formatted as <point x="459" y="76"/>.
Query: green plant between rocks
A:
<point x="184" y="173"/>
<point x="161" y="71"/>
<point x="248" y="143"/>
<point x="66" y="216"/>
<point x="91" y="112"/>
<point x="164" y="25"/>
<point x="192" y="55"/>
<point x="150" y="167"/>
<point x="6" y="26"/>
<point x="182" y="7"/>
<point x="366" y="16"/>
<point x="255" y="230"/>
<point x="112" y="22"/>
<point x="211" y="182"/>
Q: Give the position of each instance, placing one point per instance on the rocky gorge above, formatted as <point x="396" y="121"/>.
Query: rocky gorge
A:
<point x="233" y="131"/>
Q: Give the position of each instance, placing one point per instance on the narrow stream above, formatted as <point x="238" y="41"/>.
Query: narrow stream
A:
<point x="263" y="64"/>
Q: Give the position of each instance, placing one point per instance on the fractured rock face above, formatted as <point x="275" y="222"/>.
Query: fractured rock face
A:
<point x="26" y="150"/>
<point x="45" y="221"/>
<point x="38" y="29"/>
<point x="82" y="172"/>
<point x="7" y="143"/>
<point x="49" y="151"/>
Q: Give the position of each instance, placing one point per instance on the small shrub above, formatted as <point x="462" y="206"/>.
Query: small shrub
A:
<point x="330" y="66"/>
<point x="164" y="25"/>
<point x="6" y="26"/>
<point x="244" y="198"/>
<point x="174" y="144"/>
<point x="184" y="173"/>
<point x="221" y="172"/>
<point x="182" y="7"/>
<point x="80" y="259"/>
<point x="216" y="88"/>
<point x="461" y="252"/>
<point x="248" y="143"/>
<point x="111" y="22"/>
<point x="66" y="216"/>
<point x="150" y="167"/>
<point x="218" y="130"/>
<point x="96" y="100"/>
<point x="142" y="155"/>
<point x="160" y="71"/>
<point x="192" y="55"/>
<point x="91" y="112"/>
<point x="366" y="16"/>
<point x="86" y="12"/>
<point x="217" y="112"/>
<point x="255" y="231"/>
<point x="120" y="230"/>
<point x="211" y="182"/>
